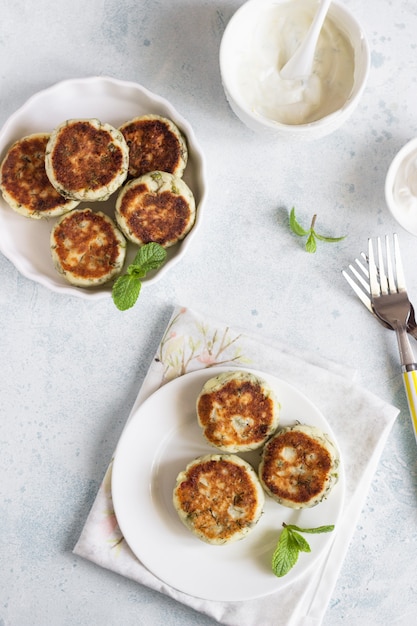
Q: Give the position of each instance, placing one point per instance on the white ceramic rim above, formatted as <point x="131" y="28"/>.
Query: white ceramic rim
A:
<point x="10" y="133"/>
<point x="337" y="12"/>
<point x="395" y="211"/>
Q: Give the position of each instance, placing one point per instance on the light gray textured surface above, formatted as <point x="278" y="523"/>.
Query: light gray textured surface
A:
<point x="70" y="369"/>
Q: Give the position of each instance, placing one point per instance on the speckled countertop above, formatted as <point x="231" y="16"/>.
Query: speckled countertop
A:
<point x="71" y="369"/>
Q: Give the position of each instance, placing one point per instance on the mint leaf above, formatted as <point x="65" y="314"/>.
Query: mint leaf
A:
<point x="285" y="555"/>
<point x="312" y="531"/>
<point x="126" y="291"/>
<point x="126" y="288"/>
<point x="136" y="271"/>
<point x="299" y="541"/>
<point x="295" y="226"/>
<point x="150" y="257"/>
<point x="311" y="245"/>
<point x="290" y="544"/>
<point x="329" y="239"/>
<point x="311" y="234"/>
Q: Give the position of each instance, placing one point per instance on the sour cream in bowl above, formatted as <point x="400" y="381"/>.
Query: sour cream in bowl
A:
<point x="260" y="38"/>
<point x="401" y="187"/>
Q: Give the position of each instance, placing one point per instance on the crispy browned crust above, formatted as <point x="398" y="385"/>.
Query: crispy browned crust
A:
<point x="87" y="247"/>
<point x="296" y="468"/>
<point x="86" y="158"/>
<point x="158" y="218"/>
<point x="156" y="207"/>
<point x="155" y="143"/>
<point x="24" y="183"/>
<point x="239" y="415"/>
<point x="218" y="499"/>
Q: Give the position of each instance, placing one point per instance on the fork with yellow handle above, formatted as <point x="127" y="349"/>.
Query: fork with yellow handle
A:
<point x="385" y="296"/>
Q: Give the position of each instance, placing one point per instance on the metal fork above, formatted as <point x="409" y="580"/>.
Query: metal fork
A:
<point x="361" y="287"/>
<point x="391" y="304"/>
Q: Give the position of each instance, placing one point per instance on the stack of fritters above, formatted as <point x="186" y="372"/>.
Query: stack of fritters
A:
<point x="220" y="497"/>
<point x="85" y="160"/>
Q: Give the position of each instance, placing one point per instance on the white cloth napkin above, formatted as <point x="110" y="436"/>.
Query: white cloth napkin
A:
<point x="361" y="423"/>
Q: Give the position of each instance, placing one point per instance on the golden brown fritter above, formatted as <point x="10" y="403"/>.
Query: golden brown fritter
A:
<point x="86" y="159"/>
<point x="237" y="411"/>
<point x="219" y="498"/>
<point x="87" y="247"/>
<point x="24" y="183"/>
<point x="155" y="143"/>
<point x="299" y="466"/>
<point x="157" y="207"/>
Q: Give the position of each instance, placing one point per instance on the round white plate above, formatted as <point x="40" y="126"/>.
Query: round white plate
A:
<point x="160" y="439"/>
<point x="25" y="242"/>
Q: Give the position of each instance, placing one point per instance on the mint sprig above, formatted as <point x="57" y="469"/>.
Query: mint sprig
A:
<point x="126" y="288"/>
<point x="289" y="546"/>
<point x="311" y="234"/>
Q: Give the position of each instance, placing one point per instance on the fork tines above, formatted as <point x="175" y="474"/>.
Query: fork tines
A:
<point x="384" y="282"/>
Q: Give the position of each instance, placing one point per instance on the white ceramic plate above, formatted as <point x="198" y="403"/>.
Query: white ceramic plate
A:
<point x="25" y="242"/>
<point x="160" y="439"/>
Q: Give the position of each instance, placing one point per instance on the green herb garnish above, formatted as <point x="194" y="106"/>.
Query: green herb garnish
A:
<point x="311" y="233"/>
<point x="127" y="287"/>
<point x="290" y="544"/>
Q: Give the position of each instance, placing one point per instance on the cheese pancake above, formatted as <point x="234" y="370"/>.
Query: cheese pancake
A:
<point x="219" y="498"/>
<point x="87" y="247"/>
<point x="155" y="143"/>
<point x="157" y="207"/>
<point x="299" y="466"/>
<point x="24" y="183"/>
<point x="86" y="159"/>
<point x="237" y="411"/>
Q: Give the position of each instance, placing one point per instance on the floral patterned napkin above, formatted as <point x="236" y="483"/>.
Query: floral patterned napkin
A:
<point x="361" y="423"/>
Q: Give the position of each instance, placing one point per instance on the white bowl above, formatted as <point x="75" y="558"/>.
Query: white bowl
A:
<point x="24" y="241"/>
<point x="242" y="32"/>
<point x="401" y="187"/>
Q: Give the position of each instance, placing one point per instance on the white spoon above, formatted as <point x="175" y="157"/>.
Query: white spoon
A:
<point x="301" y="63"/>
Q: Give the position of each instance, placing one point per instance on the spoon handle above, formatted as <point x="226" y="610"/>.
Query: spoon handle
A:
<point x="301" y="63"/>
